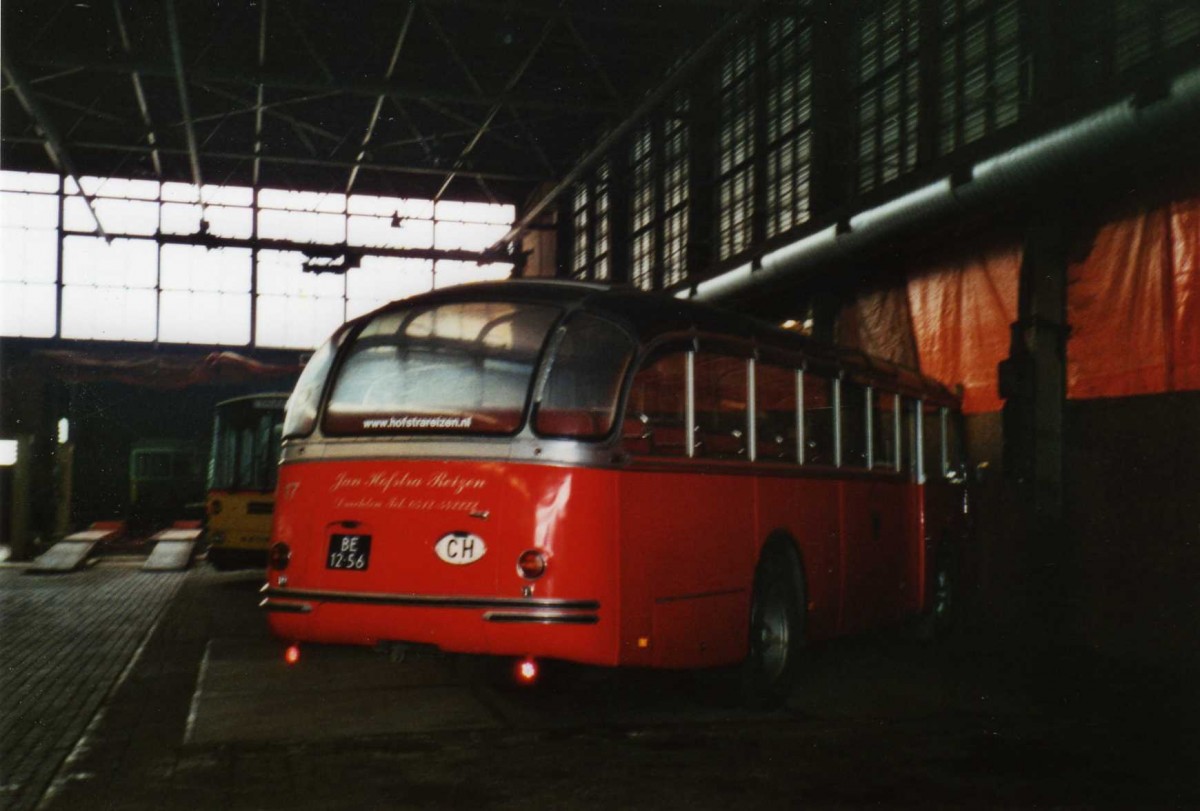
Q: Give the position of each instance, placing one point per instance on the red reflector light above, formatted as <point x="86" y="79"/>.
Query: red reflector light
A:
<point x="292" y="654"/>
<point x="279" y="556"/>
<point x="527" y="671"/>
<point x="532" y="564"/>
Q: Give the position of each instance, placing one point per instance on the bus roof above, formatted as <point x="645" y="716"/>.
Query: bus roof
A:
<point x="654" y="315"/>
<point x="281" y="396"/>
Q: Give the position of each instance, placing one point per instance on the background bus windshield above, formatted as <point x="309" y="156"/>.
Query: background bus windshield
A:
<point x="245" y="448"/>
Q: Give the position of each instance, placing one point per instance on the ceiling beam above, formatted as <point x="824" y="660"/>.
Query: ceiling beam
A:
<point x="355" y="87"/>
<point x="259" y="95"/>
<point x="138" y="90"/>
<point x="381" y="98"/>
<point x="181" y="85"/>
<point x="511" y="84"/>
<point x="648" y="104"/>
<point x="51" y="141"/>
<point x="627" y="17"/>
<point x="324" y="163"/>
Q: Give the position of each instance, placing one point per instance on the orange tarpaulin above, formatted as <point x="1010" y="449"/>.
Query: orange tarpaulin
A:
<point x="880" y="324"/>
<point x="1134" y="307"/>
<point x="961" y="317"/>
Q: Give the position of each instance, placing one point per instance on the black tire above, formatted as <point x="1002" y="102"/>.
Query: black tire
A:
<point x="776" y="629"/>
<point x="939" y="620"/>
<point x="218" y="560"/>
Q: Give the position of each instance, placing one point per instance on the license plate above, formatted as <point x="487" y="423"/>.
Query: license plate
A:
<point x="348" y="552"/>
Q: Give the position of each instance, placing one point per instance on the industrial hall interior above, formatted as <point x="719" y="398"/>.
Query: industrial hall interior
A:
<point x="588" y="404"/>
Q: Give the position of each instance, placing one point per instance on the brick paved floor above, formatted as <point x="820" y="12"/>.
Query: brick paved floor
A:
<point x="64" y="641"/>
<point x="878" y="721"/>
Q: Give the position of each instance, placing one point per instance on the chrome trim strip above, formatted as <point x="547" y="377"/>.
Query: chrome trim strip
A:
<point x="689" y="410"/>
<point x="837" y="422"/>
<point x="698" y="596"/>
<point x="800" y="439"/>
<point x="431" y="601"/>
<point x="868" y="398"/>
<point x="919" y="450"/>
<point x="542" y="618"/>
<point x="751" y="411"/>
<point x="268" y="604"/>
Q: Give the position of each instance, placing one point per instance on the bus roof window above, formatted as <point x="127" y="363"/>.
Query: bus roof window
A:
<point x="584" y="379"/>
<point x="462" y="367"/>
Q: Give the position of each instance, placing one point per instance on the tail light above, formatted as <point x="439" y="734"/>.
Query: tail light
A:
<point x="532" y="564"/>
<point x="526" y="670"/>
<point x="279" y="556"/>
<point x="292" y="654"/>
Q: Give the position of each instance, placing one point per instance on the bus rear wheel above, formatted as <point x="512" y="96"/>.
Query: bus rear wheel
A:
<point x="776" y="630"/>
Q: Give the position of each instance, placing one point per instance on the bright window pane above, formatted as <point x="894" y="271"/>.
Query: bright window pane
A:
<point x="28" y="210"/>
<point x="476" y="212"/>
<point x="108" y="314"/>
<point x="204" y="317"/>
<point x="121" y="263"/>
<point x="180" y="218"/>
<point x="447" y="273"/>
<point x="297" y="323"/>
<point x="116" y="187"/>
<point x="296" y="309"/>
<point x="467" y="236"/>
<point x="28" y="181"/>
<point x="27" y="255"/>
<point x="382" y="280"/>
<point x="301" y="226"/>
<point x="226" y="221"/>
<point x="302" y="201"/>
<point x="27" y="310"/>
<point x="191" y="267"/>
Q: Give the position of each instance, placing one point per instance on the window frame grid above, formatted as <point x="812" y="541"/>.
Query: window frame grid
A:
<point x="905" y="66"/>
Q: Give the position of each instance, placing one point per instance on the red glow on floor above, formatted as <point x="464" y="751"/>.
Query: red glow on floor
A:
<point x="527" y="671"/>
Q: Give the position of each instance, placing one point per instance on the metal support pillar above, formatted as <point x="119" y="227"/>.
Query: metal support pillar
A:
<point x="1033" y="378"/>
<point x="564" y="234"/>
<point x="1033" y="385"/>
<point x="619" y="212"/>
<point x="702" y="162"/>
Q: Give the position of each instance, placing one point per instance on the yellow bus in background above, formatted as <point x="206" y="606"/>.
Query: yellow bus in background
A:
<point x="241" y="479"/>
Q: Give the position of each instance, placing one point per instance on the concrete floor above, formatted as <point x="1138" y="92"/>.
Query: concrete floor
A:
<point x="208" y="716"/>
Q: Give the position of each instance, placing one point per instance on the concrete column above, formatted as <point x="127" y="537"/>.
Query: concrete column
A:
<point x="1033" y="378"/>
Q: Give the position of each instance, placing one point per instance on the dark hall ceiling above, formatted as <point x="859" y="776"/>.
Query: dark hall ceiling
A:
<point x="475" y="99"/>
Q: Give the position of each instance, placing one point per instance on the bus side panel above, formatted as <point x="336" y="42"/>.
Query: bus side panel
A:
<point x="242" y="518"/>
<point x="407" y="507"/>
<point x="687" y="563"/>
<point x="806" y="509"/>
<point x="875" y="536"/>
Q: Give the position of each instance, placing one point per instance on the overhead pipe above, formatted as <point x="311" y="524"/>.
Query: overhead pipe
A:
<point x="1108" y="134"/>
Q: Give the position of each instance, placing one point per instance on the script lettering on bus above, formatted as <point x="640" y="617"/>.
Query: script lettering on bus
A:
<point x="405" y="503"/>
<point x="392" y="480"/>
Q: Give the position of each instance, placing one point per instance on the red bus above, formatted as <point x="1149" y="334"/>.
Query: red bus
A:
<point x="588" y="473"/>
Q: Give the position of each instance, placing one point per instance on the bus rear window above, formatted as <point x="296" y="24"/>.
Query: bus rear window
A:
<point x="584" y="379"/>
<point x="461" y="367"/>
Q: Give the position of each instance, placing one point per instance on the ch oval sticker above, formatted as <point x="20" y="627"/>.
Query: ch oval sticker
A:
<point x="460" y="548"/>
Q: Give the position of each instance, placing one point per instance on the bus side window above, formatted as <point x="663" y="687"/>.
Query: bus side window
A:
<point x="656" y="416"/>
<point x="776" y="418"/>
<point x="931" y="427"/>
<point x="884" y="433"/>
<point x="818" y="420"/>
<point x="854" y="424"/>
<point x="720" y="406"/>
<point x="908" y="434"/>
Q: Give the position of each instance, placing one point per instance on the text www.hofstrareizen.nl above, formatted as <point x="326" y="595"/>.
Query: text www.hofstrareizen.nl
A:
<point x="408" y="423"/>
